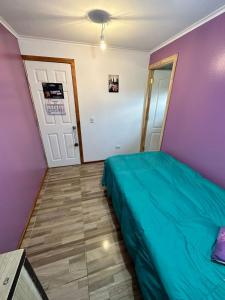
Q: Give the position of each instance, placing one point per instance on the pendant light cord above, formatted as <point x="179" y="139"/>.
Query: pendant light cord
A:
<point x="102" y="31"/>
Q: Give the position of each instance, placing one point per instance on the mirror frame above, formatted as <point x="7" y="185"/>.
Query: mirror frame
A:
<point x="157" y="66"/>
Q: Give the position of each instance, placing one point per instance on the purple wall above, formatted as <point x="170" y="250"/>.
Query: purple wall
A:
<point x="195" y="128"/>
<point x="22" y="162"/>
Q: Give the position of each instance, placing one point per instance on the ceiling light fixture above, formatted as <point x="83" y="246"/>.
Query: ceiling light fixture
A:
<point x="100" y="17"/>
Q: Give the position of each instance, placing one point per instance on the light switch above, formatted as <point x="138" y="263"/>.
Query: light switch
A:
<point x="92" y="119"/>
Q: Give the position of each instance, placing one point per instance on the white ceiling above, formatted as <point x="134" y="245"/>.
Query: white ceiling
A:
<point x="137" y="24"/>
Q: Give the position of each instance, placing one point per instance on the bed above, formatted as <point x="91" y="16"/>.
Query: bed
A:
<point x="169" y="216"/>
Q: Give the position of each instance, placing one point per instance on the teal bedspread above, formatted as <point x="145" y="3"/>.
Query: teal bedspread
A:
<point x="169" y="216"/>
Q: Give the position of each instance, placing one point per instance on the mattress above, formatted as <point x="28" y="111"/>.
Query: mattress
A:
<point x="169" y="216"/>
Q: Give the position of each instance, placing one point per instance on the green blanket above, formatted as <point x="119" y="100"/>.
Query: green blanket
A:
<point x="169" y="216"/>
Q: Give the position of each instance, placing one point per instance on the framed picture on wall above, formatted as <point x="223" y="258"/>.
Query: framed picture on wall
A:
<point x="53" y="90"/>
<point x="113" y="83"/>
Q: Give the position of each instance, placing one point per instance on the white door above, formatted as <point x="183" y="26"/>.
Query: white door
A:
<point x="158" y="100"/>
<point x="58" y="132"/>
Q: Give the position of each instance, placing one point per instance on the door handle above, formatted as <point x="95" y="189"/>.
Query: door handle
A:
<point x="74" y="128"/>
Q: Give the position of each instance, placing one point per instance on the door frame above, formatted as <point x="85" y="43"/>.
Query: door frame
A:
<point x="71" y="62"/>
<point x="157" y="66"/>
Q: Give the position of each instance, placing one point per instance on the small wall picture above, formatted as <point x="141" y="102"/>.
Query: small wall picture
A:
<point x="113" y="83"/>
<point x="53" y="90"/>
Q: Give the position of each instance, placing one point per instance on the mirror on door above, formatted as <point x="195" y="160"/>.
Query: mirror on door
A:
<point x="159" y="87"/>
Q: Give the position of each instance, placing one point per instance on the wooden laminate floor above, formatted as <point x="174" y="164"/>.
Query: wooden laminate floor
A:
<point x="73" y="240"/>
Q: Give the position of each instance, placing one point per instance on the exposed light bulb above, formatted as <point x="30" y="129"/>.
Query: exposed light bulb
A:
<point x="102" y="44"/>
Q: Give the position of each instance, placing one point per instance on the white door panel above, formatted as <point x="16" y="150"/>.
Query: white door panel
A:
<point x="56" y="130"/>
<point x="159" y="93"/>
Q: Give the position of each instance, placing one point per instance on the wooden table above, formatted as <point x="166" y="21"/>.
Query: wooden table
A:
<point x="17" y="278"/>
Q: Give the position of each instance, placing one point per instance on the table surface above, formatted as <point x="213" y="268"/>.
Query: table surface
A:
<point x="10" y="265"/>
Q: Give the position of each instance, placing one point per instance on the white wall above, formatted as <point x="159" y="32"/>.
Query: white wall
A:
<point x="117" y="116"/>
